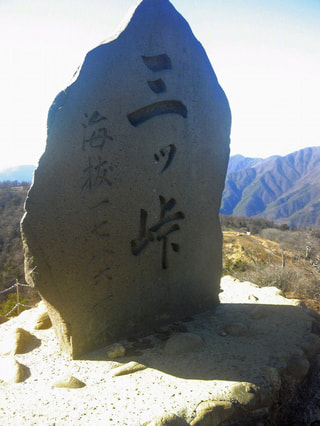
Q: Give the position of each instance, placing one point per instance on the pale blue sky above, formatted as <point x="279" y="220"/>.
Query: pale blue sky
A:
<point x="266" y="55"/>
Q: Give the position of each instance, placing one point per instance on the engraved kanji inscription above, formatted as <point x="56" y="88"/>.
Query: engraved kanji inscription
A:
<point x="158" y="108"/>
<point x="157" y="63"/>
<point x="101" y="229"/>
<point x="104" y="274"/>
<point x="167" y="153"/>
<point x="158" y="231"/>
<point x="157" y="86"/>
<point x="101" y="204"/>
<point x="95" y="132"/>
<point x="96" y="173"/>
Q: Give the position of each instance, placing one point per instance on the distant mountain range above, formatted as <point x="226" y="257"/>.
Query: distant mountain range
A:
<point x="282" y="189"/>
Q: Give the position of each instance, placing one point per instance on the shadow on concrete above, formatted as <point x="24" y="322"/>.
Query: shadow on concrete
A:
<point x="240" y="341"/>
<point x="34" y="343"/>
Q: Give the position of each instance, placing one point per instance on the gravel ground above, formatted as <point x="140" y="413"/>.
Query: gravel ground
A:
<point x="253" y="329"/>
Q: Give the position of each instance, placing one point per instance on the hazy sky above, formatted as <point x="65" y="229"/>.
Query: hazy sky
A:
<point x="266" y="54"/>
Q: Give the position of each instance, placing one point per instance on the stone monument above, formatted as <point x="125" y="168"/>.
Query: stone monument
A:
<point x="121" y="231"/>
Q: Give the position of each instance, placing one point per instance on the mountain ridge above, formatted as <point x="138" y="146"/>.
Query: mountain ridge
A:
<point x="284" y="189"/>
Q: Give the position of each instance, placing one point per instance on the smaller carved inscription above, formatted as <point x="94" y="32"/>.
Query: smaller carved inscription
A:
<point x="101" y="229"/>
<point x="100" y="204"/>
<point x="105" y="273"/>
<point x="95" y="136"/>
<point x="94" y="118"/>
<point x="96" y="173"/>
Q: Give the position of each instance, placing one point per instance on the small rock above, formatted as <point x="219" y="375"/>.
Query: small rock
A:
<point x="130" y="367"/>
<point x="183" y="343"/>
<point x="247" y="394"/>
<point x="43" y="321"/>
<point x="22" y="340"/>
<point x="3" y="319"/>
<point x="236" y="329"/>
<point x="68" y="382"/>
<point x="11" y="371"/>
<point x="16" y="341"/>
<point x="167" y="420"/>
<point x="115" y="351"/>
<point x="213" y="413"/>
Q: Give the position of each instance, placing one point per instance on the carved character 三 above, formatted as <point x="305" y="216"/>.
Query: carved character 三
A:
<point x="171" y="106"/>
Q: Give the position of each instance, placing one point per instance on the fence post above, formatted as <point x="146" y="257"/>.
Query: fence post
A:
<point x="283" y="259"/>
<point x="18" y="302"/>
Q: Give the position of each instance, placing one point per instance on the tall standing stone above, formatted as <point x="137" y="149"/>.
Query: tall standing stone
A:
<point x="121" y="230"/>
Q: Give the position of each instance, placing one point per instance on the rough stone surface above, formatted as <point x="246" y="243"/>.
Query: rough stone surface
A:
<point x="167" y="420"/>
<point x="121" y="231"/>
<point x="213" y="413"/>
<point x="115" y="351"/>
<point x="11" y="371"/>
<point x="16" y="342"/>
<point x="69" y="382"/>
<point x="129" y="368"/>
<point x="183" y="343"/>
<point x="236" y="329"/>
<point x="247" y="395"/>
<point x="43" y="321"/>
<point x="232" y="381"/>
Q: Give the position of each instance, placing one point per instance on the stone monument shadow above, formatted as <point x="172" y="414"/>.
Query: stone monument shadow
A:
<point x="241" y="342"/>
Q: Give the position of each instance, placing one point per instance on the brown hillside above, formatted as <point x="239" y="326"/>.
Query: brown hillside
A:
<point x="11" y="254"/>
<point x="242" y="250"/>
<point x="290" y="264"/>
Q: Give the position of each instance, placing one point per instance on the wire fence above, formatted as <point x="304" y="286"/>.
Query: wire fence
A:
<point x="18" y="304"/>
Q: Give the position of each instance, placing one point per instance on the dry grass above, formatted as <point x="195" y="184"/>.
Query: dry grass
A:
<point x="289" y="261"/>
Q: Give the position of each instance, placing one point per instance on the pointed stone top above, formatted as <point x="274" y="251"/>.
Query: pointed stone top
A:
<point x="149" y="15"/>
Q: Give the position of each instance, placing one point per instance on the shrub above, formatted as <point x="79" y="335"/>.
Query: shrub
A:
<point x="9" y="304"/>
<point x="235" y="265"/>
